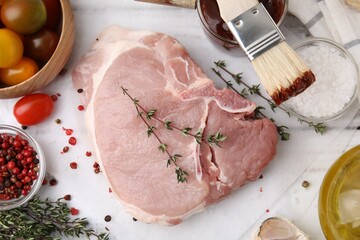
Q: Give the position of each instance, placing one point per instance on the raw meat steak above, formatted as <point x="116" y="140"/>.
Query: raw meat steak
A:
<point x="157" y="70"/>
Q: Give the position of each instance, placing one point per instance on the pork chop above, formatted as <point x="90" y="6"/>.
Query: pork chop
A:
<point x="156" y="70"/>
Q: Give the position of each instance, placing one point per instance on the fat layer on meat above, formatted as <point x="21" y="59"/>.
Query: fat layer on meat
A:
<point x="156" y="70"/>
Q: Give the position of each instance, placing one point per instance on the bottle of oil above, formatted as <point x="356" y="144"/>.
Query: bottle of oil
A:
<point x="339" y="199"/>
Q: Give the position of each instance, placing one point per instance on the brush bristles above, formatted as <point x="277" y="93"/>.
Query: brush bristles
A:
<point x="282" y="72"/>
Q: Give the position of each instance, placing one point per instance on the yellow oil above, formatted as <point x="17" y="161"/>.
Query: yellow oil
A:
<point x="339" y="199"/>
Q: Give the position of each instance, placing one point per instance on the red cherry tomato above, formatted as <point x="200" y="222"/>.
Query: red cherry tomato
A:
<point x="53" y="12"/>
<point x="33" y="108"/>
<point x="41" y="45"/>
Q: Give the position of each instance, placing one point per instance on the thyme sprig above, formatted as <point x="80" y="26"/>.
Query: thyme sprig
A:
<point x="40" y="219"/>
<point x="169" y="125"/>
<point x="282" y="130"/>
<point x="320" y="128"/>
<point x="186" y="131"/>
<point x="163" y="147"/>
<point x="216" y="138"/>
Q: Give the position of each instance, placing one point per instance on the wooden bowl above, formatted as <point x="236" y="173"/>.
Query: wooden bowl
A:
<point x="56" y="63"/>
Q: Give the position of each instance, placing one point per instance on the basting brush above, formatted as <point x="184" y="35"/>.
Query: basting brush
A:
<point x="281" y="71"/>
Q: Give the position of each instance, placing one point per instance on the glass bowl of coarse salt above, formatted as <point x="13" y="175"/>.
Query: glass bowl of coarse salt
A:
<point x="336" y="85"/>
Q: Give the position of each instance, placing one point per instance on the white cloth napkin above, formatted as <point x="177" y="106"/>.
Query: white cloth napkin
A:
<point x="332" y="19"/>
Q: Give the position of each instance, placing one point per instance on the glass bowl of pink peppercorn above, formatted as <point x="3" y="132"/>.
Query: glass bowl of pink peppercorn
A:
<point x="22" y="167"/>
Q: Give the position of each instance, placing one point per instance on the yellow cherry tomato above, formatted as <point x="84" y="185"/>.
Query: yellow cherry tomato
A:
<point x="22" y="71"/>
<point x="11" y="48"/>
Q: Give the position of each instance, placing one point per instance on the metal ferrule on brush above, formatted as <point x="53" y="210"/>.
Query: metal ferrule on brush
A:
<point x="255" y="31"/>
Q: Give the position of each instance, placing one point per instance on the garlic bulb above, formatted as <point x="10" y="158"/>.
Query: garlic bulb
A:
<point x="279" y="229"/>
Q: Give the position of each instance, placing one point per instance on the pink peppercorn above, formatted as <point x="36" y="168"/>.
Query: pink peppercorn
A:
<point x="81" y="108"/>
<point x="72" y="141"/>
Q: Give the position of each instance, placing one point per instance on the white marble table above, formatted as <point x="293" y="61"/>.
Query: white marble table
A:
<point x="306" y="156"/>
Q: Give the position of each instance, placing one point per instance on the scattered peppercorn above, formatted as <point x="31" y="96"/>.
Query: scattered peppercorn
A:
<point x="88" y="153"/>
<point x="57" y="121"/>
<point x="80" y="90"/>
<point x="267" y="210"/>
<point x="24" y="127"/>
<point x="305" y="184"/>
<point x="97" y="39"/>
<point x="54" y="98"/>
<point x="261" y="176"/>
<point x="96" y="167"/>
<point x="66" y="149"/>
<point x="134" y="219"/>
<point x="67" y="197"/>
<point x="74" y="211"/>
<point x="81" y="108"/>
<point x="53" y="182"/>
<point x="72" y="140"/>
<point x="107" y="218"/>
<point x="68" y="131"/>
<point x="110" y="190"/>
<point x="73" y="165"/>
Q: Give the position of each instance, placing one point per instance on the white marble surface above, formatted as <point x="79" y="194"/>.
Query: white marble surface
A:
<point x="306" y="156"/>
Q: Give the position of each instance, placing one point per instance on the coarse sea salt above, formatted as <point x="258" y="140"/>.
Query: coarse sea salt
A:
<point x="335" y="82"/>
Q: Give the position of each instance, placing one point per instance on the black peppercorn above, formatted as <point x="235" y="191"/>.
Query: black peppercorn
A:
<point x="305" y="184"/>
<point x="107" y="218"/>
<point x="13" y="179"/>
<point x="7" y="183"/>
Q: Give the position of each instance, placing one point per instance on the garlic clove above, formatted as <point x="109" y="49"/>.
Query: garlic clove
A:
<point x="279" y="229"/>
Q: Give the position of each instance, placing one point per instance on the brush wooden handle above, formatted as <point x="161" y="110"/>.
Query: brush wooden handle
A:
<point x="354" y="4"/>
<point x="230" y="9"/>
<point x="177" y="3"/>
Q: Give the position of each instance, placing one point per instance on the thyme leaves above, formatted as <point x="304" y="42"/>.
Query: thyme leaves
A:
<point x="216" y="138"/>
<point x="40" y="219"/>
<point x="319" y="128"/>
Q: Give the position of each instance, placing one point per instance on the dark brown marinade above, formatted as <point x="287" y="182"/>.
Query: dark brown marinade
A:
<point x="297" y="87"/>
<point x="211" y="13"/>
